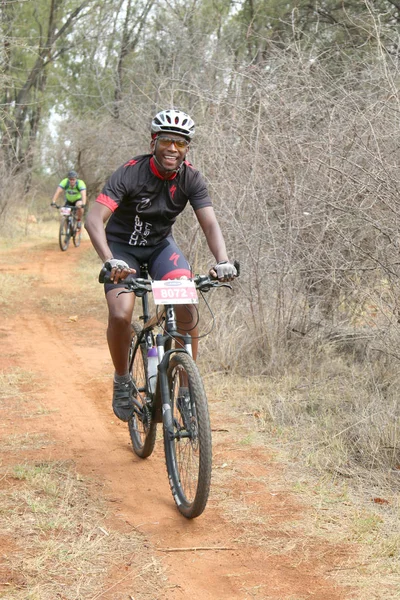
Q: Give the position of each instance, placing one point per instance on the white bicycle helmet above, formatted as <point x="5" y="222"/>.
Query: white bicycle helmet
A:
<point x="173" y="121"/>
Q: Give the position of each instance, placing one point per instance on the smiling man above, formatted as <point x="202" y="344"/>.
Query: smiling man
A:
<point x="140" y="203"/>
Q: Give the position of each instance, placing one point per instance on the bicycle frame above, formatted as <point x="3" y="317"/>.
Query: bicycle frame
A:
<point x="72" y="218"/>
<point x="164" y="351"/>
<point x="68" y="226"/>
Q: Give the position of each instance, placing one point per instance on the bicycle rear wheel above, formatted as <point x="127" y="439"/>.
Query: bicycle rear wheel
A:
<point x="64" y="234"/>
<point x="77" y="235"/>
<point x="188" y="451"/>
<point x="142" y="428"/>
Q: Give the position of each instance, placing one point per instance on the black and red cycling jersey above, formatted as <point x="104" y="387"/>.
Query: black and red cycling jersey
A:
<point x="145" y="205"/>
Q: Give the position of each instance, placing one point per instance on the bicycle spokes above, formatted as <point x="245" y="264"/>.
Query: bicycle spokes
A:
<point x="142" y="428"/>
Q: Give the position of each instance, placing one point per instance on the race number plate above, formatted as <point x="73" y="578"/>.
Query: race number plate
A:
<point x="174" y="291"/>
<point x="65" y="210"/>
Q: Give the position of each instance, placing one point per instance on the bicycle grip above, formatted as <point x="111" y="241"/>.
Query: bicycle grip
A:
<point x="104" y="275"/>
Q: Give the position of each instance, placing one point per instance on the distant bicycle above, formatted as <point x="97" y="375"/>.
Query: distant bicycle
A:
<point x="68" y="227"/>
<point x="169" y="388"/>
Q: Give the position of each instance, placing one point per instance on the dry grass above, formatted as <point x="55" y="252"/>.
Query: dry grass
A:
<point x="57" y="539"/>
<point x="11" y="286"/>
<point x="89" y="302"/>
<point x="64" y="546"/>
<point x="92" y="300"/>
<point x="340" y="507"/>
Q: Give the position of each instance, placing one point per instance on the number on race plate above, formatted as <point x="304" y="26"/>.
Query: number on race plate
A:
<point x="65" y="210"/>
<point x="175" y="291"/>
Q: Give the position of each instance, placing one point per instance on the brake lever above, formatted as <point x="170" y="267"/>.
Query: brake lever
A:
<point x="227" y="285"/>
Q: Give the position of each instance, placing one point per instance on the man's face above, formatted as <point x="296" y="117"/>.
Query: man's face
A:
<point x="170" y="150"/>
<point x="72" y="181"/>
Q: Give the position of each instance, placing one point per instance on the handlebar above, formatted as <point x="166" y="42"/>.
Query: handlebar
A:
<point x="54" y="205"/>
<point x="140" y="286"/>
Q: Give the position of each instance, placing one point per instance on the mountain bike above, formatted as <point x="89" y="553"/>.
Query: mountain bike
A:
<point x="68" y="227"/>
<point x="172" y="393"/>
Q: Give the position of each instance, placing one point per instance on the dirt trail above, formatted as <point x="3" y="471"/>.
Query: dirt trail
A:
<point x="71" y="358"/>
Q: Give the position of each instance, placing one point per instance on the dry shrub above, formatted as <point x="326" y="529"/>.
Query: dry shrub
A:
<point x="303" y="173"/>
<point x="343" y="416"/>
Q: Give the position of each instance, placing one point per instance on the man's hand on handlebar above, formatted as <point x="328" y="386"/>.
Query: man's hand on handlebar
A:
<point x="118" y="269"/>
<point x="224" y="271"/>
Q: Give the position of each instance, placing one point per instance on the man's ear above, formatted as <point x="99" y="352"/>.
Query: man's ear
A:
<point x="152" y="146"/>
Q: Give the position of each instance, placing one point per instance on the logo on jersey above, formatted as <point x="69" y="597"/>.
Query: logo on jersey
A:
<point x="131" y="163"/>
<point x="140" y="234"/>
<point x="143" y="205"/>
<point x="174" y="257"/>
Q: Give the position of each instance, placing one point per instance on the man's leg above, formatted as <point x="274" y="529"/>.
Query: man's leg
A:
<point x="186" y="320"/>
<point x="79" y="212"/>
<point x="120" y="309"/>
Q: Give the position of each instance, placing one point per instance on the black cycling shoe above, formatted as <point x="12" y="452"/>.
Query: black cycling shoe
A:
<point x="122" y="403"/>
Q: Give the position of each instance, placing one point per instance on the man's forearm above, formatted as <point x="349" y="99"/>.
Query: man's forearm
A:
<point x="57" y="193"/>
<point x="99" y="240"/>
<point x="216" y="243"/>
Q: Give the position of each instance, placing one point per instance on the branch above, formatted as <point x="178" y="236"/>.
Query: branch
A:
<point x="45" y="53"/>
<point x="196" y="549"/>
<point x="395" y="4"/>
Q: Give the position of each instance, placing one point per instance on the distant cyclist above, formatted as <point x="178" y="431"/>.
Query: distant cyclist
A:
<point x="74" y="190"/>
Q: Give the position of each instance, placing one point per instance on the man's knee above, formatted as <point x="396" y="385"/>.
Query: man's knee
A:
<point x="119" y="320"/>
<point x="120" y="309"/>
<point x="186" y="314"/>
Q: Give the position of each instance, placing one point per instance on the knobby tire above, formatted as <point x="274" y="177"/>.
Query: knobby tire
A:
<point x="142" y="428"/>
<point x="64" y="234"/>
<point x="188" y="459"/>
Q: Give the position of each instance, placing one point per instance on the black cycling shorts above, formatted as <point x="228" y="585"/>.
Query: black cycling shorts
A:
<point x="68" y="203"/>
<point x="164" y="261"/>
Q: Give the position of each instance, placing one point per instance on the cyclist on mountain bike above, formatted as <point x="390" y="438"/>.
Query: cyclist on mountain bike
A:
<point x="141" y="201"/>
<point x="74" y="190"/>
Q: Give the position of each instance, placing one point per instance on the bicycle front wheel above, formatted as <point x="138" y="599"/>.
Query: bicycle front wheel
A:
<point x="188" y="449"/>
<point x="64" y="234"/>
<point x="142" y="428"/>
<point x="77" y="235"/>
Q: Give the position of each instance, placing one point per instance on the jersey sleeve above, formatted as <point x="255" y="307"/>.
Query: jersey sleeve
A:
<point x="63" y="184"/>
<point x="114" y="190"/>
<point x="81" y="185"/>
<point x="198" y="194"/>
